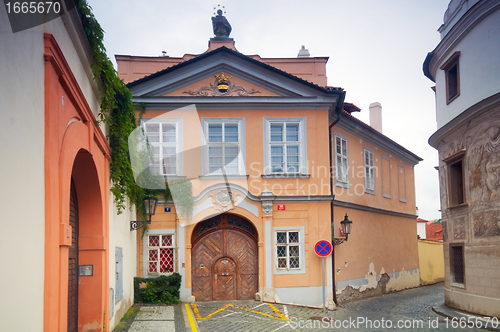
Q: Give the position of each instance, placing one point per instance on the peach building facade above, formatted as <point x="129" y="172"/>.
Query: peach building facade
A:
<point x="254" y="138"/>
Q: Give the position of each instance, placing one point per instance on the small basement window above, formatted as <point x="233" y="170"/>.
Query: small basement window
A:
<point x="457" y="263"/>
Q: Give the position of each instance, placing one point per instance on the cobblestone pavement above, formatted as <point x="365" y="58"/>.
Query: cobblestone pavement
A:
<point x="409" y="310"/>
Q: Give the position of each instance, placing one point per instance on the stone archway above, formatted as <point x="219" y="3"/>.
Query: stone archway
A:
<point x="224" y="259"/>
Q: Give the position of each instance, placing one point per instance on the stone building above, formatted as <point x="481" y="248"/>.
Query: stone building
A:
<point x="466" y="69"/>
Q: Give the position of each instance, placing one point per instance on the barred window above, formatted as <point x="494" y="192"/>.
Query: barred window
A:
<point x="161" y="254"/>
<point x="287" y="250"/>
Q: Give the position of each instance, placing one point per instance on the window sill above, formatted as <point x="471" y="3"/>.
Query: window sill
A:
<point x="457" y="285"/>
<point x="222" y="177"/>
<point x="457" y="206"/>
<point x="174" y="177"/>
<point x="368" y="191"/>
<point x="294" y="271"/>
<point x="286" y="176"/>
<point x="154" y="275"/>
<point x="342" y="185"/>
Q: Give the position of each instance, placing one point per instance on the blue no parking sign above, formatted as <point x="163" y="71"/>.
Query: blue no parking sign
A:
<point x="323" y="248"/>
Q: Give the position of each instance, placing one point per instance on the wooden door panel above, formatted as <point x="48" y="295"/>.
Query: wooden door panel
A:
<point x="244" y="250"/>
<point x="204" y="253"/>
<point x="235" y="280"/>
<point x="247" y="286"/>
<point x="224" y="279"/>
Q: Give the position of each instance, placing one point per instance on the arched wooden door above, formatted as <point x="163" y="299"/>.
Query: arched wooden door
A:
<point x="224" y="259"/>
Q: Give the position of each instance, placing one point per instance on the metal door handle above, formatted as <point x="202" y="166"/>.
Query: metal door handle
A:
<point x="215" y="277"/>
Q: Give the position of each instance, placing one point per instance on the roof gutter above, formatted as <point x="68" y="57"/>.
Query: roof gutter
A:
<point x="425" y="67"/>
<point x="338" y="111"/>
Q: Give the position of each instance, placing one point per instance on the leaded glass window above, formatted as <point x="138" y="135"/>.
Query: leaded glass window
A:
<point x="287" y="250"/>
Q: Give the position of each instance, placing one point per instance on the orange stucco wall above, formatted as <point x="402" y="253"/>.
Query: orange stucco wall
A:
<point x="380" y="242"/>
<point x="132" y="68"/>
<point x="356" y="194"/>
<point x="317" y="146"/>
<point x="74" y="148"/>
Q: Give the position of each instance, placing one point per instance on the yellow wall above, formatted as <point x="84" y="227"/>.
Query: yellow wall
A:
<point x="431" y="258"/>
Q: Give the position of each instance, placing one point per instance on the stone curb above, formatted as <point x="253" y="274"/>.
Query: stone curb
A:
<point x="440" y="309"/>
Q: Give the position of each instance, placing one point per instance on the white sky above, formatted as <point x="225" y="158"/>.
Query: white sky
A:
<point x="376" y="50"/>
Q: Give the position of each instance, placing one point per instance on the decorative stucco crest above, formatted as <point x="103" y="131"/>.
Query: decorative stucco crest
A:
<point x="267" y="202"/>
<point x="222" y="87"/>
<point x="267" y="207"/>
<point x="222" y="200"/>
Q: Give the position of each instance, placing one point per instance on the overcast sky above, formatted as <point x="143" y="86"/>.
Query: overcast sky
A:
<point x="376" y="50"/>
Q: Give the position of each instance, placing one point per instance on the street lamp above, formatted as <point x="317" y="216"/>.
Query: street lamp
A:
<point x="346" y="225"/>
<point x="149" y="208"/>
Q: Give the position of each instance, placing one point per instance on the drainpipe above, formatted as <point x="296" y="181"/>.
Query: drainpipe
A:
<point x="338" y="111"/>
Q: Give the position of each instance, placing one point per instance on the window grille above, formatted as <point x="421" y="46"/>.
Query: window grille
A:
<point x="457" y="264"/>
<point x="161" y="254"/>
<point x="287" y="250"/>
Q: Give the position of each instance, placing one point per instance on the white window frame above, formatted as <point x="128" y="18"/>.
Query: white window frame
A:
<point x="302" y="263"/>
<point x="341" y="180"/>
<point x="146" y="248"/>
<point x="302" y="143"/>
<point x="177" y="123"/>
<point x="206" y="143"/>
<point x="369" y="183"/>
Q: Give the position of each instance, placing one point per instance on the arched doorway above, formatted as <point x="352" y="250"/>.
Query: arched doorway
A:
<point x="224" y="259"/>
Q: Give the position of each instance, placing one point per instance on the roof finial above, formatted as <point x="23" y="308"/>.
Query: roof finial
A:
<point x="221" y="26"/>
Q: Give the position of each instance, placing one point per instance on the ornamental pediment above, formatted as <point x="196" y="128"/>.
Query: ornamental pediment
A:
<point x="222" y="84"/>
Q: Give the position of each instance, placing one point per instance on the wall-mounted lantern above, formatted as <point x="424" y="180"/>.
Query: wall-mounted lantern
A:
<point x="149" y="208"/>
<point x="346" y="226"/>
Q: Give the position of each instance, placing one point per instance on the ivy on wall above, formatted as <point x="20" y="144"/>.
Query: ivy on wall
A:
<point x="118" y="112"/>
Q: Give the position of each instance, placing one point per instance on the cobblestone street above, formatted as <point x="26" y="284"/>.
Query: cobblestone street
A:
<point x="409" y="310"/>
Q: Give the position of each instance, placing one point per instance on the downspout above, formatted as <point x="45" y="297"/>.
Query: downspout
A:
<point x="338" y="111"/>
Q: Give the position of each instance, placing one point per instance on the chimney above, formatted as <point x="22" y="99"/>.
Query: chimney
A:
<point x="376" y="116"/>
